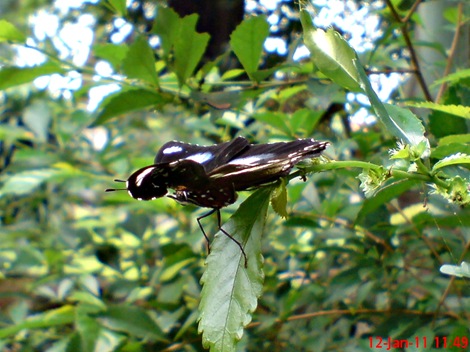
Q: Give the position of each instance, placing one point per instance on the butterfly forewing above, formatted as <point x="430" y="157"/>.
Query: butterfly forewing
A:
<point x="208" y="156"/>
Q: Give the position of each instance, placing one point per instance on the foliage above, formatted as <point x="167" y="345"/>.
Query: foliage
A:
<point x="354" y="256"/>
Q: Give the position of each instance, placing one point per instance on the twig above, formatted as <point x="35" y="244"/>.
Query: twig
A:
<point x="451" y="283"/>
<point x="452" y="51"/>
<point x="400" y="312"/>
<point x="413" y="55"/>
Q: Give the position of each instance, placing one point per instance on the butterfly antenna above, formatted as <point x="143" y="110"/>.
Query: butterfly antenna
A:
<point x="116" y="189"/>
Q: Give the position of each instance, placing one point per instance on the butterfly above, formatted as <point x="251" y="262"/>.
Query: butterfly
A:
<point x="211" y="176"/>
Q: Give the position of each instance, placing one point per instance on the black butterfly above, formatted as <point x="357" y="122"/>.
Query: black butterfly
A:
<point x="210" y="176"/>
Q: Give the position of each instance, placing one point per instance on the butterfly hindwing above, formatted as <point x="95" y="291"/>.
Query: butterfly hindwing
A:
<point x="264" y="163"/>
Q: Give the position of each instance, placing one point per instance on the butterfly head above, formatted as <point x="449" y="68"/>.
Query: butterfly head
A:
<point x="148" y="183"/>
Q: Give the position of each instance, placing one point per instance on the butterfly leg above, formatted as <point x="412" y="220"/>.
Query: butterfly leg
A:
<point x="219" y="224"/>
<point x="233" y="239"/>
<point x="202" y="228"/>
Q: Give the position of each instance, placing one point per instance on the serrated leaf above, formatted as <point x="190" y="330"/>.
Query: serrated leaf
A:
<point x="279" y="199"/>
<point x="13" y="76"/>
<point x="455" y="159"/>
<point x="189" y="47"/>
<point x="455" y="138"/>
<point x="456" y="110"/>
<point x="453" y="77"/>
<point x="442" y="151"/>
<point x="127" y="101"/>
<point x="331" y="54"/>
<point x="230" y="291"/>
<point x="139" y="62"/>
<point x="132" y="320"/>
<point x="247" y="42"/>
<point x="8" y="32"/>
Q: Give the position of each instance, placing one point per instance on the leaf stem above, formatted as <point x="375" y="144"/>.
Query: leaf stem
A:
<point x="394" y="173"/>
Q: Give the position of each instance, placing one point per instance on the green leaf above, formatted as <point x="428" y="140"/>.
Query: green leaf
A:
<point x="455" y="138"/>
<point x="331" y="54"/>
<point x="338" y="61"/>
<point x="131" y="320"/>
<point x="455" y="159"/>
<point x="400" y="122"/>
<point x="88" y="328"/>
<point x="25" y="182"/>
<point x="230" y="290"/>
<point x="53" y="317"/>
<point x="37" y="117"/>
<point x="127" y="101"/>
<point x="112" y="53"/>
<point x="189" y="47"/>
<point x="247" y="42"/>
<point x="139" y="62"/>
<point x="456" y="110"/>
<point x="305" y="120"/>
<point x="383" y="196"/>
<point x="167" y="25"/>
<point x="8" y="32"/>
<point x="279" y="199"/>
<point x="274" y="119"/>
<point x="403" y="124"/>
<point x="445" y="150"/>
<point x="14" y="132"/>
<point x="453" y="77"/>
<point x="460" y="271"/>
<point x="406" y="124"/>
<point x="117" y="6"/>
<point x="13" y="76"/>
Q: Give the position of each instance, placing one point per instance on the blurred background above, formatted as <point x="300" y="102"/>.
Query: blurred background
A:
<point x="90" y="90"/>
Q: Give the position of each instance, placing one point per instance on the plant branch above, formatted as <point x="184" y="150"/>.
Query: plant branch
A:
<point x="333" y="312"/>
<point x="413" y="55"/>
<point x="452" y="52"/>
<point x="451" y="283"/>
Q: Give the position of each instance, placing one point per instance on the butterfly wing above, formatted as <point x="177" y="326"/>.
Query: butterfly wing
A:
<point x="208" y="156"/>
<point x="209" y="176"/>
<point x="265" y="163"/>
